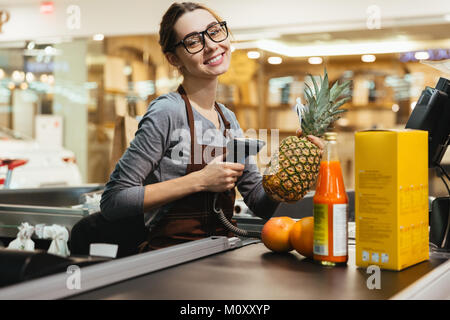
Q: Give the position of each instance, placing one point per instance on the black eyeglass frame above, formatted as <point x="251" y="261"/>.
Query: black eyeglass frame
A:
<point x="202" y="33"/>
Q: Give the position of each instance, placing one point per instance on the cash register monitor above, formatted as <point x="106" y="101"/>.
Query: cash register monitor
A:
<point x="432" y="113"/>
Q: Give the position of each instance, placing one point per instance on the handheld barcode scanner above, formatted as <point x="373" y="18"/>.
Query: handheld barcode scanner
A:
<point x="238" y="150"/>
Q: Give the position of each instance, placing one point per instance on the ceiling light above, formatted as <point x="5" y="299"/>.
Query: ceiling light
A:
<point x="368" y="58"/>
<point x="338" y="49"/>
<point x="421" y="55"/>
<point x="49" y="50"/>
<point x="51" y="79"/>
<point x="402" y="37"/>
<point x="31" y="45"/>
<point x="18" y="76"/>
<point x="43" y="78"/>
<point x="29" y="76"/>
<point x="98" y="37"/>
<point x="127" y="70"/>
<point x="315" y="60"/>
<point x="395" y="107"/>
<point x="253" y="54"/>
<point x="274" y="60"/>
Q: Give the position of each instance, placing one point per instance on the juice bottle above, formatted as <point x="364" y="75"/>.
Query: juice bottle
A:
<point x="330" y="209"/>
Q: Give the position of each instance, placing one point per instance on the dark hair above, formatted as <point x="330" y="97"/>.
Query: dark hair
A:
<point x="167" y="35"/>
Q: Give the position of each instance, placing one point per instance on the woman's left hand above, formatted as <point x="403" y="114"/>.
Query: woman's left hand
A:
<point x="316" y="140"/>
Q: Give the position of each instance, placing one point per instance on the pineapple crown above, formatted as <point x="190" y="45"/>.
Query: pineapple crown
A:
<point x="323" y="105"/>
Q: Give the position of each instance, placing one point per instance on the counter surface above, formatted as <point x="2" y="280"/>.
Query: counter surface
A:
<point x="253" y="272"/>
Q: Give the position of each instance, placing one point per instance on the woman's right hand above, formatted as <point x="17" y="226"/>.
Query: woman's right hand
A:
<point x="218" y="176"/>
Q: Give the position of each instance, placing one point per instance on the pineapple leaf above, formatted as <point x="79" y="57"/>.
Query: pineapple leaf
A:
<point x="323" y="111"/>
<point x="310" y="116"/>
<point x="309" y="94"/>
<point x="334" y="113"/>
<point x="340" y="102"/>
<point x="316" y="87"/>
<point x="306" y="126"/>
<point x="323" y="104"/>
<point x="309" y="121"/>
<point x="339" y="90"/>
<point x="333" y="90"/>
<point x="323" y="97"/>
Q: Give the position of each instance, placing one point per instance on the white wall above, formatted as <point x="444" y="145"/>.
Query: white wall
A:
<point x="114" y="17"/>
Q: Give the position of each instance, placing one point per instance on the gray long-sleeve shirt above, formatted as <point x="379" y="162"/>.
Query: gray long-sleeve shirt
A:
<point x="160" y="151"/>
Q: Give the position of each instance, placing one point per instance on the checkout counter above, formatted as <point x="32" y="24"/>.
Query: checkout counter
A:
<point x="46" y="206"/>
<point x="230" y="268"/>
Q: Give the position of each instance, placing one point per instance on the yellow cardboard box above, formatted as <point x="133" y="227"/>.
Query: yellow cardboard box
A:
<point x="391" y="198"/>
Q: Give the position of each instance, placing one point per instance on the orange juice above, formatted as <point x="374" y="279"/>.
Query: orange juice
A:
<point x="330" y="209"/>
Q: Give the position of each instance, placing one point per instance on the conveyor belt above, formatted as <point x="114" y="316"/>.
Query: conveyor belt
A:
<point x="223" y="269"/>
<point x="252" y="272"/>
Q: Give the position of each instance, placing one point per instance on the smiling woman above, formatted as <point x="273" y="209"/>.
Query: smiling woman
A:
<point x="175" y="198"/>
<point x="201" y="50"/>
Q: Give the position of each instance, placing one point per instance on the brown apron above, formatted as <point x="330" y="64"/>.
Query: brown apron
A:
<point x="191" y="217"/>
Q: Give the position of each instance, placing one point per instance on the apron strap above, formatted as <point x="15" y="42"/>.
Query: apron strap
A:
<point x="225" y="122"/>
<point x="190" y="116"/>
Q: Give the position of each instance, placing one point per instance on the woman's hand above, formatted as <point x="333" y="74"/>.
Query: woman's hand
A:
<point x="317" y="141"/>
<point x="218" y="176"/>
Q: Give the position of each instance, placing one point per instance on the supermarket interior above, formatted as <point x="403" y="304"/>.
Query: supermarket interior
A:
<point x="86" y="64"/>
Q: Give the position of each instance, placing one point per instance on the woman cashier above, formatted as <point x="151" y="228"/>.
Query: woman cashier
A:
<point x="166" y="179"/>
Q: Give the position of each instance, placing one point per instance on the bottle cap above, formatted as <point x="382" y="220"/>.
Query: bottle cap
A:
<point x="330" y="136"/>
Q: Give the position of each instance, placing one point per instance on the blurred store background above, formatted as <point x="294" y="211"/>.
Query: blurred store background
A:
<point x="86" y="61"/>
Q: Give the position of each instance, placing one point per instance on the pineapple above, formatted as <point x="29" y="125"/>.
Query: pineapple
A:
<point x="294" y="168"/>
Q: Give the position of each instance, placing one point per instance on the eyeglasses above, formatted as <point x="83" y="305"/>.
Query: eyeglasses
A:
<point x="195" y="42"/>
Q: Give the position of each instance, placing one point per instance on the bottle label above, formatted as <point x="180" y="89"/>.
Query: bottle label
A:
<point x="339" y="230"/>
<point x="321" y="229"/>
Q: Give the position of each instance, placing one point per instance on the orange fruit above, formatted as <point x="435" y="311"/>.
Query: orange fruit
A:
<point x="302" y="236"/>
<point x="275" y="234"/>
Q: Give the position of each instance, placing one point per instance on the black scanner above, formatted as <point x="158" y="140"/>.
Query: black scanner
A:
<point x="238" y="149"/>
